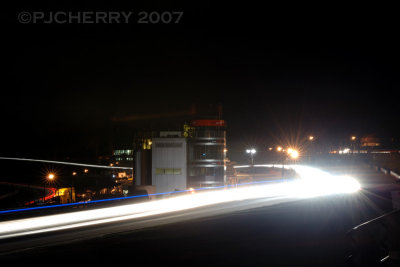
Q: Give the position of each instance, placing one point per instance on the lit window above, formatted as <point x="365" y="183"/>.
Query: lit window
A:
<point x="169" y="171"/>
<point x="178" y="171"/>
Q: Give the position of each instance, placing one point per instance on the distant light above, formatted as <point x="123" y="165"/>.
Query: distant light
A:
<point x="311" y="138"/>
<point x="353" y="138"/>
<point x="279" y="149"/>
<point x="270" y="148"/>
<point x="293" y="153"/>
<point x="251" y="151"/>
<point x="73" y="173"/>
<point x="85" y="170"/>
<point x="50" y="176"/>
<point x="344" y="151"/>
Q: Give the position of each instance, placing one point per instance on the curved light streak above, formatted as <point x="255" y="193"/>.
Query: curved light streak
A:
<point x="312" y="182"/>
<point x="69" y="163"/>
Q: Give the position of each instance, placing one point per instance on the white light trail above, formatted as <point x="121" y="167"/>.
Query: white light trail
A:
<point x="312" y="183"/>
<point x="68" y="163"/>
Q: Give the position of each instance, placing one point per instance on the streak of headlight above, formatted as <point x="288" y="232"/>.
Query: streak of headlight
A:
<point x="68" y="163"/>
<point x="312" y="182"/>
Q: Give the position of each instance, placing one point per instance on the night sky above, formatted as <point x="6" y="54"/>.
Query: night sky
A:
<point x="330" y="71"/>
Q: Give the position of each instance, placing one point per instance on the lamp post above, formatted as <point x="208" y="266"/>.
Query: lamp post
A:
<point x="311" y="149"/>
<point x="353" y="140"/>
<point x="49" y="178"/>
<point x="251" y="151"/>
<point x="291" y="153"/>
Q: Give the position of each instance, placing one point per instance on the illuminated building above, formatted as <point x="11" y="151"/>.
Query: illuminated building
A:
<point x="169" y="163"/>
<point x="177" y="160"/>
<point x="370" y="142"/>
<point x="122" y="147"/>
<point x="206" y="153"/>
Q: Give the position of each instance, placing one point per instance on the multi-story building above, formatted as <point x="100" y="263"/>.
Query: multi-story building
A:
<point x="169" y="164"/>
<point x="175" y="160"/>
<point x="207" y="153"/>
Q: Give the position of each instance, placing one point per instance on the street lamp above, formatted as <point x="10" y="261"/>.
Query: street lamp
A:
<point x="49" y="178"/>
<point x="353" y="139"/>
<point x="311" y="145"/>
<point x="251" y="151"/>
<point x="293" y="153"/>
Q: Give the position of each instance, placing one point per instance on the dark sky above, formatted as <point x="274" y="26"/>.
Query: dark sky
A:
<point x="277" y="71"/>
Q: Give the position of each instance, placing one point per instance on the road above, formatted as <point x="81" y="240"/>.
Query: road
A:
<point x="256" y="231"/>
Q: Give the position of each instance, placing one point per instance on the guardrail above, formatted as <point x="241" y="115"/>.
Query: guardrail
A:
<point x="376" y="242"/>
<point x="395" y="174"/>
<point x="386" y="171"/>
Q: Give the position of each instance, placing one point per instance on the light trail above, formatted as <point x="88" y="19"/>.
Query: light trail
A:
<point x="69" y="163"/>
<point x="312" y="183"/>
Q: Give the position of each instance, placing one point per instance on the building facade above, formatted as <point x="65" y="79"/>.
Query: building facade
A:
<point x="207" y="153"/>
<point x="178" y="160"/>
<point x="169" y="164"/>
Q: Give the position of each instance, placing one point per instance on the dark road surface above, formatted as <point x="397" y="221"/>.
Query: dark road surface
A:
<point x="308" y="232"/>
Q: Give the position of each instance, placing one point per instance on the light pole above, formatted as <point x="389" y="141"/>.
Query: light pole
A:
<point x="251" y="151"/>
<point x="49" y="178"/>
<point x="291" y="153"/>
<point x="353" y="140"/>
<point x="311" y="149"/>
<point x="72" y="183"/>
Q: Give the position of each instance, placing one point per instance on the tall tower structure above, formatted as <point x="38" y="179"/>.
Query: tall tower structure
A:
<point x="207" y="153"/>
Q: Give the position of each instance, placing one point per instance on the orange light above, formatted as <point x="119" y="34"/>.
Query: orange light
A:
<point x="51" y="176"/>
<point x="293" y="153"/>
